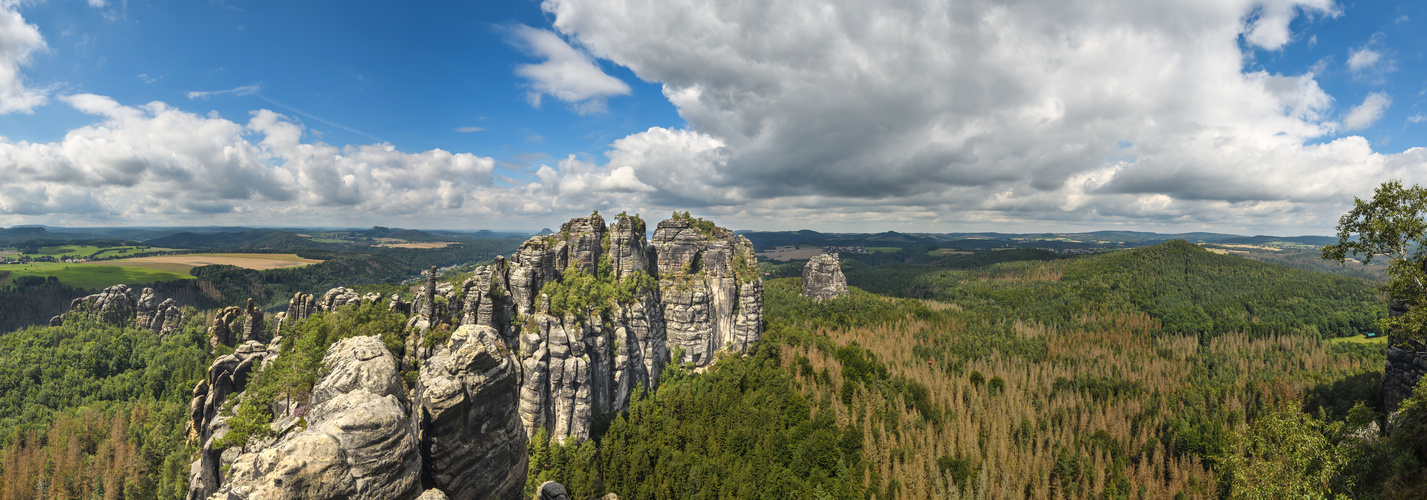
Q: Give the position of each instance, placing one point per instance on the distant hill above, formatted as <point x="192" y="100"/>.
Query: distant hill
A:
<point x="400" y="234"/>
<point x="764" y="240"/>
<point x="18" y="234"/>
<point x="1316" y="241"/>
<point x="253" y="239"/>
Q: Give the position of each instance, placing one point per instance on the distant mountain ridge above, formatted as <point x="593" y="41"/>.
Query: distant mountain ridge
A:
<point x="763" y="240"/>
<point x="253" y="239"/>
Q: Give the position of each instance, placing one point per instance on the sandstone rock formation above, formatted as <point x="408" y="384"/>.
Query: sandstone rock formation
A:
<point x="823" y="279"/>
<point x="221" y="331"/>
<point x="253" y="329"/>
<point x="113" y="305"/>
<point x="693" y="288"/>
<point x="550" y="490"/>
<point x="228" y="375"/>
<point x="1405" y="366"/>
<point x="363" y="438"/>
<point x="468" y="398"/>
<point x="117" y="305"/>
<point x="359" y="442"/>
<point x="706" y="276"/>
<point x="299" y="307"/>
<point x="338" y="297"/>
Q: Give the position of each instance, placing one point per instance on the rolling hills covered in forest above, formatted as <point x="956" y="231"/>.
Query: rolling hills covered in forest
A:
<point x="1141" y="373"/>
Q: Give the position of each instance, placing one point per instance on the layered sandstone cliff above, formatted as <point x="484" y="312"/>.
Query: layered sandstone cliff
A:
<point x="595" y="311"/>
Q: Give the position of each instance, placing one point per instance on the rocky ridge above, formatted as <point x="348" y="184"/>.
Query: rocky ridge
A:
<point x="563" y="331"/>
<point x="595" y="311"/>
<point x="117" y="306"/>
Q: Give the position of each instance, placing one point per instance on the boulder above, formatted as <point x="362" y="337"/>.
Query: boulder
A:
<point x="550" y="490"/>
<point x="359" y="443"/>
<point x="823" y="279"/>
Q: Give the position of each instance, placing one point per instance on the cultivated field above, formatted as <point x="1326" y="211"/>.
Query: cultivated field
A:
<point x="433" y="244"/>
<point x="182" y="263"/>
<point x="93" y="275"/>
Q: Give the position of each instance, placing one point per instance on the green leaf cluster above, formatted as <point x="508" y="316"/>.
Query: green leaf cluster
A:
<point x="1393" y="224"/>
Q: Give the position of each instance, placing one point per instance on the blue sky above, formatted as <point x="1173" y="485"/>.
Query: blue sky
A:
<point x="938" y="116"/>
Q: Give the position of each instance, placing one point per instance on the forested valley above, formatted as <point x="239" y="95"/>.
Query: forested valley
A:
<point x="1165" y="371"/>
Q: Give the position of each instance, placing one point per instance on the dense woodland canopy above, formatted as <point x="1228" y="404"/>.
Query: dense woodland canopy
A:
<point x="1161" y="372"/>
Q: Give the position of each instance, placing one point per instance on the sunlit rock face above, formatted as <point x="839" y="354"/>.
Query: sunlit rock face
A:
<point x="823" y="279"/>
<point x="691" y="289"/>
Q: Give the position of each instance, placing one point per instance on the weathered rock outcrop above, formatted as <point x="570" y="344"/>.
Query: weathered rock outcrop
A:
<point x="117" y="305"/>
<point x="472" y="438"/>
<point x="145" y="309"/>
<point x="338" y="297"/>
<point x="706" y="276"/>
<point x="565" y="375"/>
<point x="114" y="305"/>
<point x="823" y="279"/>
<point x="1405" y="366"/>
<point x="228" y="375"/>
<point x="221" y="331"/>
<point x="253" y="328"/>
<point x="359" y="443"/>
<point x="300" y="307"/>
<point x="587" y="360"/>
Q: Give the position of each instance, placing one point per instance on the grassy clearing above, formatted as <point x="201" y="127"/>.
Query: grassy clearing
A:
<point x="92" y="275"/>
<point x="183" y="263"/>
<point x="67" y="251"/>
<point x="434" y="244"/>
<point x="61" y="252"/>
<point x="1359" y="339"/>
<point x="948" y="251"/>
<point x="883" y="249"/>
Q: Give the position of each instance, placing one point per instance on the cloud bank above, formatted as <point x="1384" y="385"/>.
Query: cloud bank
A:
<point x="923" y="115"/>
<point x="936" y="113"/>
<point x="155" y="163"/>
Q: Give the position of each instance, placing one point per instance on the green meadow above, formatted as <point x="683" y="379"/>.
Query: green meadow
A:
<point x="93" y="276"/>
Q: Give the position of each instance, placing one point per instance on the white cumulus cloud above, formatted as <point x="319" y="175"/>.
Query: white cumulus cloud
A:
<point x="156" y="163"/>
<point x="18" y="41"/>
<point x="1366" y="114"/>
<point x="566" y="74"/>
<point x="983" y="112"/>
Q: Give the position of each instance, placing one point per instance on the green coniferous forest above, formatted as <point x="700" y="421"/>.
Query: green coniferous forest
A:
<point x="1160" y="372"/>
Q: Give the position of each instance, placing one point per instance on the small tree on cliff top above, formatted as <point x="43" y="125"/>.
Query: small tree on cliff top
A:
<point x="1393" y="224"/>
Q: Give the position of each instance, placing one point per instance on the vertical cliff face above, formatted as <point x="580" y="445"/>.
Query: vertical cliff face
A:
<point x="471" y="434"/>
<point x="712" y="294"/>
<point x="628" y="251"/>
<point x="595" y="312"/>
<point x="823" y="278"/>
<point x="1406" y="364"/>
